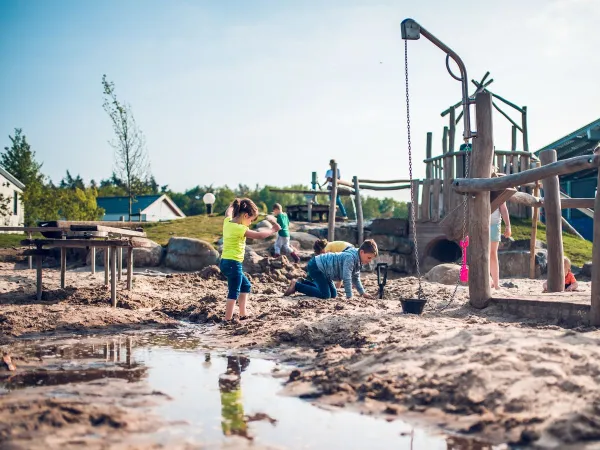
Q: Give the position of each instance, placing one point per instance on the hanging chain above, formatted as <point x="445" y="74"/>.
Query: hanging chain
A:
<point x="410" y="171"/>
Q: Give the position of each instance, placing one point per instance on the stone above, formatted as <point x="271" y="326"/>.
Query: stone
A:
<point x="393" y="243"/>
<point x="519" y="244"/>
<point x="396" y="262"/>
<point x="428" y="263"/>
<point x="190" y="254"/>
<point x="444" y="274"/>
<point x="320" y="233"/>
<point x="306" y="241"/>
<point x="252" y="262"/>
<point x="346" y="233"/>
<point x="586" y="270"/>
<point x="394" y="227"/>
<point x="515" y="264"/>
<point x="150" y="255"/>
<point x="264" y="224"/>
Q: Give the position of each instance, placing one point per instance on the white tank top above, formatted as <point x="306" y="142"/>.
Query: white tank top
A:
<point x="496" y="218"/>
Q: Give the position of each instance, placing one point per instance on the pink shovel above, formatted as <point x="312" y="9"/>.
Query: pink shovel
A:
<point x="464" y="270"/>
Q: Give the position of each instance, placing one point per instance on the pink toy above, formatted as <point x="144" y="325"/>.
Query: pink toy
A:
<point x="464" y="270"/>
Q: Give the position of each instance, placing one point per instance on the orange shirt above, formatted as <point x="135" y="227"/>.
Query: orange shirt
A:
<point x="569" y="278"/>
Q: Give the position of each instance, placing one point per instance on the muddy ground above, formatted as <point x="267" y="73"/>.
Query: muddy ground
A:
<point x="480" y="373"/>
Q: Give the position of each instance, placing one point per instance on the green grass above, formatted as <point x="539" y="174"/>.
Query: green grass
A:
<point x="11" y="240"/>
<point x="578" y="250"/>
<point x="207" y="228"/>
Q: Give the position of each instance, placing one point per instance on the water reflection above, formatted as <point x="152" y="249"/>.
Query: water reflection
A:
<point x="233" y="420"/>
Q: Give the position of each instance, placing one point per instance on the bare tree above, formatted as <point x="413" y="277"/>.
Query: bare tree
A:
<point x="131" y="158"/>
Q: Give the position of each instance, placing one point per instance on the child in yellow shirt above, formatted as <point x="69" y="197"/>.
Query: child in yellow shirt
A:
<point x="240" y="214"/>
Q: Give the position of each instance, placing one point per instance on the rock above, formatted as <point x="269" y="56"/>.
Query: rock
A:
<point x="428" y="263"/>
<point x="586" y="270"/>
<point x="320" y="233"/>
<point x="190" y="254"/>
<point x="150" y="255"/>
<point x="396" y="262"/>
<point x="347" y="233"/>
<point x="393" y="243"/>
<point x="306" y="241"/>
<point x="264" y="224"/>
<point x="516" y="263"/>
<point x="252" y="262"/>
<point x="444" y="274"/>
<point x="394" y="227"/>
<point x="520" y="244"/>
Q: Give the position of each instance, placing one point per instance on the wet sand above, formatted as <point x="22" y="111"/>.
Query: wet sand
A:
<point x="481" y="373"/>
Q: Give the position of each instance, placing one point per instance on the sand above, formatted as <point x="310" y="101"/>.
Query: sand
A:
<point x="481" y="373"/>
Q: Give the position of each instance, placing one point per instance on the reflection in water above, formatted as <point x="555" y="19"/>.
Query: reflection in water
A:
<point x="233" y="420"/>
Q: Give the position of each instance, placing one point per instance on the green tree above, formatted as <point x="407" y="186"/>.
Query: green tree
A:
<point x="19" y="160"/>
<point x="131" y="156"/>
<point x="79" y="204"/>
<point x="70" y="182"/>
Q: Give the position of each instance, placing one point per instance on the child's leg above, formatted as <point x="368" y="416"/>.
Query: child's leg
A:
<point x="277" y="249"/>
<point x="233" y="271"/>
<point x="341" y="206"/>
<point x="320" y="289"/>
<point x="494" y="266"/>
<point x="290" y="250"/>
<point x="332" y="289"/>
<point x="245" y="292"/>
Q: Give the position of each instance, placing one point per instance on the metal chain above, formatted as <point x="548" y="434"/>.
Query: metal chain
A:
<point x="410" y="171"/>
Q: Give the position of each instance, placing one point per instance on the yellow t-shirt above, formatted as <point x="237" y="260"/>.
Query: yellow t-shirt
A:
<point x="234" y="240"/>
<point x="337" y="246"/>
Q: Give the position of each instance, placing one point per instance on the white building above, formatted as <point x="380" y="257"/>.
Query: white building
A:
<point x="10" y="195"/>
<point x="145" y="208"/>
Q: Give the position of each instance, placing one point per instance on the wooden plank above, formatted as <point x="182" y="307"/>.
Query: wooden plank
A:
<point x="565" y="166"/>
<point x="534" y="221"/>
<point x="93" y="259"/>
<point x="369" y="187"/>
<point x="30" y="258"/>
<point x="479" y="206"/>
<point x="307" y="192"/>
<point x="526" y="199"/>
<point x="332" y="202"/>
<point x="119" y="263"/>
<point x="523" y="166"/>
<point x="106" y="264"/>
<point x="500" y="163"/>
<point x="428" y="168"/>
<point x="425" y="211"/>
<point x="111" y="230"/>
<point x="116" y="224"/>
<point x="63" y="266"/>
<point x="556" y="271"/>
<point x="435" y="200"/>
<point x="447" y="186"/>
<point x="499" y="197"/>
<point x="113" y="276"/>
<point x="31" y="252"/>
<point x="445" y="141"/>
<point x="84" y="243"/>
<point x="595" y="298"/>
<point x="524" y="127"/>
<point x="452" y="130"/>
<point x="38" y="267"/>
<point x="415" y="199"/>
<point x="513" y="141"/>
<point x="359" y="212"/>
<point x="34" y="229"/>
<point x="404" y="180"/>
<point x="129" y="268"/>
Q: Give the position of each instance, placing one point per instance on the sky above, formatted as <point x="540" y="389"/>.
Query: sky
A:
<point x="268" y="91"/>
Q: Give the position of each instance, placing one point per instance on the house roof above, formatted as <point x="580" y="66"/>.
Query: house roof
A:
<point x="10" y="178"/>
<point x="579" y="142"/>
<point x="120" y="205"/>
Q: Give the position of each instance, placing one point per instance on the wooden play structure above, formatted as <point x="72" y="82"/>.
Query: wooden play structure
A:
<point x="112" y="237"/>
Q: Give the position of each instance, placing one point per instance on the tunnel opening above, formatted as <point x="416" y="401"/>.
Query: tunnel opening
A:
<point x="445" y="251"/>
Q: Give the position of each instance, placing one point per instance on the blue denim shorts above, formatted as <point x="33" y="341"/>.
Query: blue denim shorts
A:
<point x="237" y="282"/>
<point x="495" y="232"/>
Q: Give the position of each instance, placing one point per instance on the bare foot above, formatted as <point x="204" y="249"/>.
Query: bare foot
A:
<point x="291" y="289"/>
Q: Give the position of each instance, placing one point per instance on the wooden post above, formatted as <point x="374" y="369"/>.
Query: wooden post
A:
<point x="435" y="200"/>
<point x="513" y="143"/>
<point x="93" y="259"/>
<point x="129" y="268"/>
<point x="524" y="127"/>
<point x="425" y="210"/>
<point x="556" y="270"/>
<point x="534" y="221"/>
<point x="63" y="266"/>
<point x="119" y="263"/>
<point x="113" y="276"/>
<point x="479" y="205"/>
<point x="106" y="264"/>
<point x="359" y="212"/>
<point x="309" y="209"/>
<point x="428" y="168"/>
<point x="30" y="258"/>
<point x="38" y="267"/>
<point x="415" y="200"/>
<point x="448" y="176"/>
<point x="452" y="130"/>
<point x="595" y="309"/>
<point x="445" y="141"/>
<point x="332" y="202"/>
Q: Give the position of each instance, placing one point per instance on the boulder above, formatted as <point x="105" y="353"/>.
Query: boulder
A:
<point x="347" y="233"/>
<point x="252" y="262"/>
<point x="519" y="244"/>
<point x="515" y="264"/>
<point x="306" y="241"/>
<point x="264" y="224"/>
<point x="190" y="254"/>
<point x="586" y="270"/>
<point x="444" y="274"/>
<point x="150" y="255"/>
<point x="394" y="227"/>
<point x="396" y="262"/>
<point x="320" y="233"/>
<point x="393" y="243"/>
<point x="428" y="263"/>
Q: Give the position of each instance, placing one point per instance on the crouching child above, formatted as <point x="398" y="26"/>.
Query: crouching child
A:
<point x="325" y="269"/>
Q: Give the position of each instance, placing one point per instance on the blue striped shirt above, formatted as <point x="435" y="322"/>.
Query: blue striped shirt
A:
<point x="342" y="266"/>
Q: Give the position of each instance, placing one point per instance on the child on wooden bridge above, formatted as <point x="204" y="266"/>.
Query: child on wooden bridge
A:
<point x="240" y="214"/>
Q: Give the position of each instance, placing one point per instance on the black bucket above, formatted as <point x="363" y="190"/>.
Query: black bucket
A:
<point x="50" y="234"/>
<point x="413" y="305"/>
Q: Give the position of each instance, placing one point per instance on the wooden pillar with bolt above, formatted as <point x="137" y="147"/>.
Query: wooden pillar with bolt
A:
<point x="551" y="186"/>
<point x="482" y="157"/>
<point x="359" y="212"/>
<point x="332" y="202"/>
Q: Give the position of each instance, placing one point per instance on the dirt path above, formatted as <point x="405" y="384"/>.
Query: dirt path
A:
<point x="477" y="372"/>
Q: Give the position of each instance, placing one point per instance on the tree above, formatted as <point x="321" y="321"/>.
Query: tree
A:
<point x="68" y="182"/>
<point x="131" y="157"/>
<point x="19" y="160"/>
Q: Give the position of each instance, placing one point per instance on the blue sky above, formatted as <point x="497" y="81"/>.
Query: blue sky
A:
<point x="230" y="92"/>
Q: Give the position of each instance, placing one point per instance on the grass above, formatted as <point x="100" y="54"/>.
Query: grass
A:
<point x="11" y="240"/>
<point x="578" y="250"/>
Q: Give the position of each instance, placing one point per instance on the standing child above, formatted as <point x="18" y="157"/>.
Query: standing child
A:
<point x="570" y="281"/>
<point x="327" y="268"/>
<point x="238" y="218"/>
<point x="283" y="239"/>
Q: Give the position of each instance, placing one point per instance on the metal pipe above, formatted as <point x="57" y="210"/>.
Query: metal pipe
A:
<point x="411" y="30"/>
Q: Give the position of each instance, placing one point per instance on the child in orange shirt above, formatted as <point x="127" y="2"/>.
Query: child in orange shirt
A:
<point x="570" y="281"/>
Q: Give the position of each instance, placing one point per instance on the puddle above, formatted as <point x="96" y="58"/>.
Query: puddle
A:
<point x="218" y="399"/>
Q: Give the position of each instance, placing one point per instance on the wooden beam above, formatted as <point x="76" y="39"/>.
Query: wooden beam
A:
<point x="386" y="188"/>
<point x="38" y="268"/>
<point x="435" y="200"/>
<point x="384" y="182"/>
<point x="93" y="259"/>
<point x="84" y="243"/>
<point x="119" y="263"/>
<point x="106" y="264"/>
<point x="332" y="202"/>
<point x="523" y="198"/>
<point x="534" y="221"/>
<point x="497" y="198"/>
<point x="113" y="276"/>
<point x="577" y="203"/>
<point x="556" y="271"/>
<point x="428" y="149"/>
<point x="479" y="206"/>
<point x="425" y="210"/>
<point x="513" y="141"/>
<point x="359" y="212"/>
<point x="111" y="230"/>
<point x="30" y="258"/>
<point x="452" y="130"/>
<point x="565" y="166"/>
<point x="129" y="269"/>
<point x="567" y="226"/>
<point x="63" y="266"/>
<point x="116" y="224"/>
<point x="595" y="298"/>
<point x="524" y="129"/>
<point x="307" y="192"/>
<point x="34" y="229"/>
